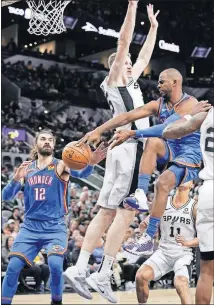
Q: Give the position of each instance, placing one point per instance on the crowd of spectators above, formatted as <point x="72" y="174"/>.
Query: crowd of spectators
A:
<point x="53" y="80"/>
<point x="35" y="117"/>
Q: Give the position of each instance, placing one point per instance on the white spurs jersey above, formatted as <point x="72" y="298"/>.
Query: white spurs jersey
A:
<point x="124" y="99"/>
<point x="207" y="146"/>
<point x="177" y="221"/>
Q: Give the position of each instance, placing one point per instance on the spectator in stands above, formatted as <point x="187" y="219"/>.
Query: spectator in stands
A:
<point x="6" y="250"/>
<point x="16" y="215"/>
<point x="76" y="250"/>
<point x="4" y="176"/>
<point x="6" y="232"/>
<point x="29" y="65"/>
<point x="16" y="230"/>
<point x="45" y="273"/>
<point x="11" y="46"/>
<point x="11" y="225"/>
<point x="19" y="202"/>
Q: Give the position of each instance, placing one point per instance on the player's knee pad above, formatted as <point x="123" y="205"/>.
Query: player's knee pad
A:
<point x="179" y="173"/>
<point x="13" y="270"/>
<point x="55" y="263"/>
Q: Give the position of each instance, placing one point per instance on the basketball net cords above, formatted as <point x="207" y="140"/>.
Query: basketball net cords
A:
<point x="47" y="18"/>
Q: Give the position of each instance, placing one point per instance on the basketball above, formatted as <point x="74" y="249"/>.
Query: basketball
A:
<point x="76" y="157"/>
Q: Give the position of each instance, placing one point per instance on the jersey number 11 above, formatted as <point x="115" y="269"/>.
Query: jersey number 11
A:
<point x="172" y="233"/>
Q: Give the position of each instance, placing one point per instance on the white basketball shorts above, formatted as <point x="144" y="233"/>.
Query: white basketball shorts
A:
<point x="163" y="264"/>
<point x="205" y="217"/>
<point x="121" y="174"/>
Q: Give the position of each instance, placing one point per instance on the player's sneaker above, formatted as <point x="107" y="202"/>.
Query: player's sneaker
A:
<point x="137" y="201"/>
<point x="129" y="247"/>
<point x="101" y="283"/>
<point x="77" y="279"/>
<point x="144" y="246"/>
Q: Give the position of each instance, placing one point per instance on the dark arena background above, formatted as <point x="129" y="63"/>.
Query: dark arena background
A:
<point x="53" y="82"/>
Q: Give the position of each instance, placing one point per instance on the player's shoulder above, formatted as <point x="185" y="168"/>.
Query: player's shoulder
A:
<point x="189" y="99"/>
<point x="187" y="104"/>
<point x="192" y="100"/>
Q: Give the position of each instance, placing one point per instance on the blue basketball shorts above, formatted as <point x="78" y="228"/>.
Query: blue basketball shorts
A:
<point x="181" y="158"/>
<point x="28" y="243"/>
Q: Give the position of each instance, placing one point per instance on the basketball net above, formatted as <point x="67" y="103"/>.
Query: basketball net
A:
<point x="47" y="16"/>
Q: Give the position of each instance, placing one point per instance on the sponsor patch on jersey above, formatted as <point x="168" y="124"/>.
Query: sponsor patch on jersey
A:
<point x="186" y="211"/>
<point x="57" y="248"/>
<point x="51" y="167"/>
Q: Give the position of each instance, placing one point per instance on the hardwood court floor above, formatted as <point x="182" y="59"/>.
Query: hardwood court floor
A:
<point x="162" y="296"/>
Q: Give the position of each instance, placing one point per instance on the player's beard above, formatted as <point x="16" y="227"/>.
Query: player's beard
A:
<point x="45" y="152"/>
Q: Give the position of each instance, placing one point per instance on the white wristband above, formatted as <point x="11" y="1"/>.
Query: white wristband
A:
<point x="188" y="117"/>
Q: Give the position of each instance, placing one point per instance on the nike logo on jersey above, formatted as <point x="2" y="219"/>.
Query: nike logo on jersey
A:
<point x="167" y="209"/>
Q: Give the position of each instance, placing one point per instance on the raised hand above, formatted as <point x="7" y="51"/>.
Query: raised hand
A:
<point x="202" y="106"/>
<point x="152" y="17"/>
<point x="22" y="170"/>
<point x="99" y="154"/>
<point x="92" y="137"/>
<point x="120" y="137"/>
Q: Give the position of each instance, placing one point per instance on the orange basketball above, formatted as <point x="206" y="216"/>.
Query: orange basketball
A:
<point x="75" y="156"/>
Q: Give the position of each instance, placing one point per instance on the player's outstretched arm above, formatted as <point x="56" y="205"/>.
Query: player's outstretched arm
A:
<point x="188" y="124"/>
<point x="11" y="189"/>
<point x="151" y="132"/>
<point x="158" y="130"/>
<point x="124" y="41"/>
<point x="125" y="118"/>
<point x="148" y="47"/>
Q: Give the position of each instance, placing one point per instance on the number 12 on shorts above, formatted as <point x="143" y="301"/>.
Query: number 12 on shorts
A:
<point x="39" y="194"/>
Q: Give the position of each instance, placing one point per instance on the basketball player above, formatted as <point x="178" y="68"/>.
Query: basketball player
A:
<point x="177" y="229"/>
<point x="205" y="215"/>
<point x="45" y="194"/>
<point x="181" y="156"/>
<point x="123" y="94"/>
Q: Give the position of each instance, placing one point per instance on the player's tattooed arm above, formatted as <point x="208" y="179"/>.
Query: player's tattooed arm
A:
<point x="184" y="127"/>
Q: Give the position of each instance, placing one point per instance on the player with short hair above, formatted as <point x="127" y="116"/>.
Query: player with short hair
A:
<point x="123" y="94"/>
<point x="179" y="159"/>
<point x="177" y="230"/>
<point x="205" y="215"/>
<point x="45" y="181"/>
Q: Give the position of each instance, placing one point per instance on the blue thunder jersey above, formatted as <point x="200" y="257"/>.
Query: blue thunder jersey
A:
<point x="187" y="147"/>
<point x="45" y="193"/>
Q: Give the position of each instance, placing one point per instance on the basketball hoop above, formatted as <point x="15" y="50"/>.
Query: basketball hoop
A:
<point x="47" y="16"/>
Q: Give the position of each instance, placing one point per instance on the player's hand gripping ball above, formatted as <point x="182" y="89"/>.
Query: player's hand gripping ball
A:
<point x="76" y="156"/>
